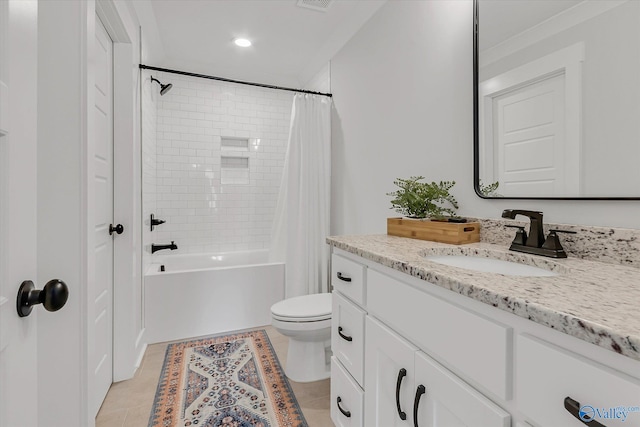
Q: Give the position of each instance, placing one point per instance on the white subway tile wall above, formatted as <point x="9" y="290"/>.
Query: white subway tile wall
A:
<point x="208" y="207"/>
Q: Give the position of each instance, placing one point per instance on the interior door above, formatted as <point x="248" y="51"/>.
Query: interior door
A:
<point x="18" y="139"/>
<point x="102" y="292"/>
<point x="530" y="138"/>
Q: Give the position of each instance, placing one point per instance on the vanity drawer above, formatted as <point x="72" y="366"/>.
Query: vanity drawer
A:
<point x="347" y="276"/>
<point x="475" y="347"/>
<point x="546" y="375"/>
<point x="347" y="335"/>
<point x="347" y="398"/>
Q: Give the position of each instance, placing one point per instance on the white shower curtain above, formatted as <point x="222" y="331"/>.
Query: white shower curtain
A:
<point x="301" y="221"/>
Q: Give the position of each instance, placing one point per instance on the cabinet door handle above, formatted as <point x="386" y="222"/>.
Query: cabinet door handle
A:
<point x="343" y="278"/>
<point x="573" y="407"/>
<point x="345" y="413"/>
<point x="401" y="374"/>
<point x="343" y="336"/>
<point x="416" y="402"/>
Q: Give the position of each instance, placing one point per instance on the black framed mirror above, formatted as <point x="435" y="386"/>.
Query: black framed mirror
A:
<point x="557" y="99"/>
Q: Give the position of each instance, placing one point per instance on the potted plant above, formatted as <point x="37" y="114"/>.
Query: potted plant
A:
<point x="416" y="199"/>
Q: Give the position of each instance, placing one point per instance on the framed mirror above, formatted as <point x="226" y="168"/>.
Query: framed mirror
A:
<point x="557" y="99"/>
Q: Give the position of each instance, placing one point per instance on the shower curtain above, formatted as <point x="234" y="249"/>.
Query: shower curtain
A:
<point x="301" y="221"/>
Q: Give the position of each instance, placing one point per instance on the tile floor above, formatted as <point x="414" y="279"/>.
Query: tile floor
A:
<point x="128" y="403"/>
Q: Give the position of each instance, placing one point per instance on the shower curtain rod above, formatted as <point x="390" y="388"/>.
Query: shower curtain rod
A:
<point x="222" y="79"/>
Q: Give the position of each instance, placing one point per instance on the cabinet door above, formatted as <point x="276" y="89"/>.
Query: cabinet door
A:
<point x="441" y="399"/>
<point x="389" y="377"/>
<point x="347" y="401"/>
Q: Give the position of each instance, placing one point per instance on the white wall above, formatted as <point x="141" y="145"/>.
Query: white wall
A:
<point x="403" y="105"/>
<point x="209" y="208"/>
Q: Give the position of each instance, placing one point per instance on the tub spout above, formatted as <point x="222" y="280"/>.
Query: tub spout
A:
<point x="155" y="248"/>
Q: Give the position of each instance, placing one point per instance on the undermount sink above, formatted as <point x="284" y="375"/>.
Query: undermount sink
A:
<point x="480" y="263"/>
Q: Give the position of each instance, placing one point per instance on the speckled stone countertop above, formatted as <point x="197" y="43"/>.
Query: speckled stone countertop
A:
<point x="593" y="301"/>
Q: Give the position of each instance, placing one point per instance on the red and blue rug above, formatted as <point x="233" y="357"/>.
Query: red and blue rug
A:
<point x="225" y="381"/>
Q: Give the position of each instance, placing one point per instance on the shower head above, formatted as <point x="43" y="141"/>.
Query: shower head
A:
<point x="163" y="88"/>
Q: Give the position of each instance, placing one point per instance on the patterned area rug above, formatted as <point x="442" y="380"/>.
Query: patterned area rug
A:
<point x="225" y="381"/>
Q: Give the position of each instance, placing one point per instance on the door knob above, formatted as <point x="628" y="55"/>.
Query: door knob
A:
<point x="53" y="296"/>
<point x="118" y="229"/>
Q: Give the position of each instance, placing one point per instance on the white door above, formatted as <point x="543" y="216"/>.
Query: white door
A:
<point x="388" y="377"/>
<point x="102" y="290"/>
<point x="18" y="138"/>
<point x="529" y="138"/>
<point x="444" y="400"/>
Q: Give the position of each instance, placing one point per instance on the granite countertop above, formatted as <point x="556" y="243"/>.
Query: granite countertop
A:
<point x="593" y="301"/>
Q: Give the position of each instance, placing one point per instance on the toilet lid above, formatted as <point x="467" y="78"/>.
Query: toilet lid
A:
<point x="310" y="307"/>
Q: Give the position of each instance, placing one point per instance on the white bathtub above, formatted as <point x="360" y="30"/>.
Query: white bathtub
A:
<point x="204" y="294"/>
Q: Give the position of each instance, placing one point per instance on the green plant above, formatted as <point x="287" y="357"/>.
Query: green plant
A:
<point x="490" y="190"/>
<point x="416" y="199"/>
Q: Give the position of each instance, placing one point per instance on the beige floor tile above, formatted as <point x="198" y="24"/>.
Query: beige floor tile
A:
<point x="137" y="417"/>
<point x="317" y="412"/>
<point x="307" y="392"/>
<point x="111" y="419"/>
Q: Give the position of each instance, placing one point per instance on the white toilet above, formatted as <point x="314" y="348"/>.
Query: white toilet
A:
<point x="306" y="320"/>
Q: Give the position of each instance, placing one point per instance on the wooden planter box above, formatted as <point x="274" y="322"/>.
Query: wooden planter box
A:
<point x="435" y="231"/>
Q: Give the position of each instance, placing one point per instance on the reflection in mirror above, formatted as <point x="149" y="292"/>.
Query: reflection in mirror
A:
<point x="558" y="99"/>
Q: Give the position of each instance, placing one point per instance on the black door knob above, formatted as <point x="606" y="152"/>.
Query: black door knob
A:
<point x="53" y="296"/>
<point x="118" y="229"/>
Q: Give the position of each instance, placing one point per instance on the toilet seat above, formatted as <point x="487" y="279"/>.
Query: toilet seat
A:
<point x="307" y="308"/>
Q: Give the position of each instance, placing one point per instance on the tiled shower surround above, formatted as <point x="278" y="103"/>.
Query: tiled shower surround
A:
<point x="219" y="156"/>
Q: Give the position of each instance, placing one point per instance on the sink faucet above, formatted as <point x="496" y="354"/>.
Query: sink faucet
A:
<point x="535" y="243"/>
<point x="536" y="235"/>
<point x="155" y="248"/>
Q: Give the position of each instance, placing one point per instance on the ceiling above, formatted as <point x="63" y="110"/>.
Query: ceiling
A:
<point x="290" y="43"/>
<point x="503" y="19"/>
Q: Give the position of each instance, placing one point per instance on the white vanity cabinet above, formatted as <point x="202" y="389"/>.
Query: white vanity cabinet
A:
<point x="402" y="382"/>
<point x="347" y="341"/>
<point x="375" y="372"/>
<point x="408" y="353"/>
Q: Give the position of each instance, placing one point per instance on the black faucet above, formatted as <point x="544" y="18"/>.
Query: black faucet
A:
<point x="155" y="222"/>
<point x="535" y="243"/>
<point x="155" y="248"/>
<point x="536" y="235"/>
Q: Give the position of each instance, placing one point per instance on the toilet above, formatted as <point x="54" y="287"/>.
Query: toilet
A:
<point x="306" y="320"/>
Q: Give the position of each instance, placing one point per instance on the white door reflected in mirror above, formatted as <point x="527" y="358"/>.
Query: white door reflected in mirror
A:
<point x="559" y="98"/>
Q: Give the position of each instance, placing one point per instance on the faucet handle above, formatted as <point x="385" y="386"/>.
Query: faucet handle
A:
<point x="552" y="241"/>
<point x="553" y="230"/>
<point x="521" y="235"/>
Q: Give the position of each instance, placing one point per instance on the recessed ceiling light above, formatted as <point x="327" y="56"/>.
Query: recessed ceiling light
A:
<point x="242" y="42"/>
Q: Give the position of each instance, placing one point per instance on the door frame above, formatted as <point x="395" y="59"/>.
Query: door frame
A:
<point x="66" y="33"/>
<point x="128" y="327"/>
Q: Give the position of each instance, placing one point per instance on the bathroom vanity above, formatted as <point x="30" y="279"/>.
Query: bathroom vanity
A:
<point x="418" y="343"/>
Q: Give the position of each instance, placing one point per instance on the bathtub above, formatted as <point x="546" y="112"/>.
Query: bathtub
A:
<point x="203" y="294"/>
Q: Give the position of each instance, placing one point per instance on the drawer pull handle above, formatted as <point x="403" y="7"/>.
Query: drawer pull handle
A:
<point x="343" y="278"/>
<point x="345" y="413"/>
<point x="401" y="374"/>
<point x="573" y="407"/>
<point x="343" y="336"/>
<point x="416" y="402"/>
